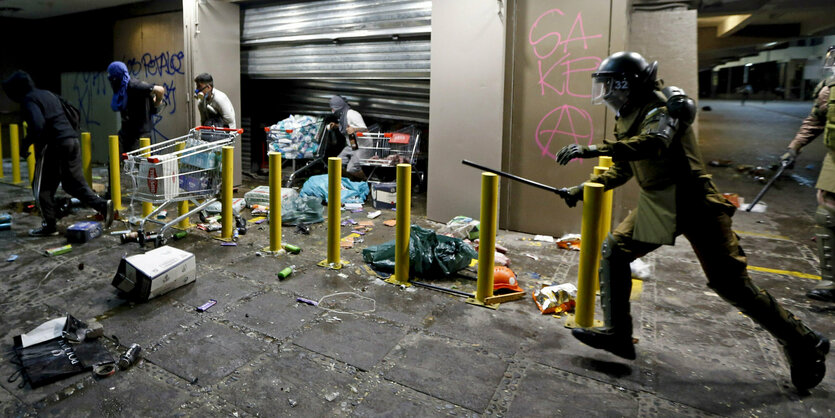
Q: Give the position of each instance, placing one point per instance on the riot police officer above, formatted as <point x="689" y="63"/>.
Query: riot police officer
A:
<point x="821" y="120"/>
<point x="655" y="143"/>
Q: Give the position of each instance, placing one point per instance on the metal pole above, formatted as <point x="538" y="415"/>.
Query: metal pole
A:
<point x="2" y="169"/>
<point x="275" y="201"/>
<point x="183" y="208"/>
<point x="487" y="236"/>
<point x="86" y="157"/>
<point x="605" y="221"/>
<point x="403" y="227"/>
<point x="334" y="213"/>
<point x="115" y="179"/>
<point x="589" y="253"/>
<point x="14" y="150"/>
<point x="227" y="220"/>
<point x="765" y="189"/>
<point x="512" y="176"/>
<point x="147" y="207"/>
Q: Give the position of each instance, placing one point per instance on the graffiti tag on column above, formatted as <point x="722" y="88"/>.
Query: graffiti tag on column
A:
<point x="558" y="58"/>
<point x="87" y="85"/>
<point x="159" y="69"/>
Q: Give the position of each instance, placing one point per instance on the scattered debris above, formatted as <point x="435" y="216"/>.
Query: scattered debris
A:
<point x="374" y="214"/>
<point x="544" y="238"/>
<point x="720" y="163"/>
<point x="390" y="222"/>
<point x="555" y="299"/>
<point x="204" y="307"/>
<point x="569" y="242"/>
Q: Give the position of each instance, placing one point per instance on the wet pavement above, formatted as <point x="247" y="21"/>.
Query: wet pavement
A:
<point x="420" y="352"/>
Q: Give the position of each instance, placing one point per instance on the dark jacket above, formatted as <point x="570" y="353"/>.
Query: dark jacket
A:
<point x="136" y="119"/>
<point x="41" y="110"/>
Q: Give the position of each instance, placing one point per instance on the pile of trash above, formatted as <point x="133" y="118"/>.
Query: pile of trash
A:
<point x="295" y="137"/>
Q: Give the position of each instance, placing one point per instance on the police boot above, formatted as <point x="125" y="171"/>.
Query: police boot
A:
<point x="825" y="235"/>
<point x="615" y="286"/>
<point x="807" y="360"/>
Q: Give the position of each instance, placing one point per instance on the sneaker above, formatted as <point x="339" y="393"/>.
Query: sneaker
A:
<point x="808" y="364"/>
<point x="44" y="231"/>
<point x="109" y="215"/>
<point x="603" y="339"/>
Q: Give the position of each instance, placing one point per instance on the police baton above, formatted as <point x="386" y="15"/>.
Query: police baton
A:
<point x="517" y="178"/>
<point x="783" y="166"/>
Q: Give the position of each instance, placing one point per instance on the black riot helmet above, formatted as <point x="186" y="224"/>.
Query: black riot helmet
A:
<point x="621" y="77"/>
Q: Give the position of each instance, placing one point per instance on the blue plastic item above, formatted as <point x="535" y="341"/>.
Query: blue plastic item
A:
<point x="352" y="191"/>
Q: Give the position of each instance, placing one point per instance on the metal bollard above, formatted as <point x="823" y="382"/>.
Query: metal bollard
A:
<point x="14" y="150"/>
<point x="403" y="228"/>
<point x="605" y="221"/>
<point x="115" y="175"/>
<point x="227" y="220"/>
<point x="147" y="207"/>
<point x="275" y="201"/>
<point x="487" y="239"/>
<point x="589" y="256"/>
<point x="334" y="213"/>
<point x="183" y="208"/>
<point x="86" y="157"/>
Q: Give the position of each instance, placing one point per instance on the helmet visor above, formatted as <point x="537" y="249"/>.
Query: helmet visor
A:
<point x="600" y="88"/>
<point x="829" y="59"/>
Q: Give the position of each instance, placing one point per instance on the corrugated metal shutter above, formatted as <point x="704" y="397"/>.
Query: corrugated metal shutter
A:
<point x="374" y="52"/>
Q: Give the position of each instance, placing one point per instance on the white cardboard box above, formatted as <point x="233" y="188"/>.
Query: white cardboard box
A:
<point x="159" y="180"/>
<point x="146" y="276"/>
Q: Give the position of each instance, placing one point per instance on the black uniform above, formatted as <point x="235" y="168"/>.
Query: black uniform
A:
<point x="57" y="149"/>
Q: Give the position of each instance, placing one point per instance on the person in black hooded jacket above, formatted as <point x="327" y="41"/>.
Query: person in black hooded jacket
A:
<point x="57" y="152"/>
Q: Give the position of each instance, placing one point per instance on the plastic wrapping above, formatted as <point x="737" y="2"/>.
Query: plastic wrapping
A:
<point x="352" y="191"/>
<point x="295" y="137"/>
<point x="429" y="253"/>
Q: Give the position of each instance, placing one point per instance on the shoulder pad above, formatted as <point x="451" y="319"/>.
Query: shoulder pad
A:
<point x="663" y="125"/>
<point x="679" y="105"/>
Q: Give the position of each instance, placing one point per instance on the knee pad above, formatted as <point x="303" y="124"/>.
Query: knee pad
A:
<point x="825" y="235"/>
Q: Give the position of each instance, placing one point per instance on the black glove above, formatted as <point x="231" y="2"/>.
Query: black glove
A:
<point x="571" y="195"/>
<point x="573" y="151"/>
<point x="787" y="159"/>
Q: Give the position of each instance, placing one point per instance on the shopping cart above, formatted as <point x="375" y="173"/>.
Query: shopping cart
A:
<point x="162" y="174"/>
<point x="387" y="149"/>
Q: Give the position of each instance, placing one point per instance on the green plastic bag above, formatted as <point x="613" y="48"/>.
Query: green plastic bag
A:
<point x="302" y="209"/>
<point x="430" y="254"/>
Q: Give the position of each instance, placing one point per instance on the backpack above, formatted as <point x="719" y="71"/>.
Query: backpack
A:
<point x="71" y="112"/>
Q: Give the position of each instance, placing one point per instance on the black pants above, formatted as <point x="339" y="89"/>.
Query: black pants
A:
<point x="60" y="162"/>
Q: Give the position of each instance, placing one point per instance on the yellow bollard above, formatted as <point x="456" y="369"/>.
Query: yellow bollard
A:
<point x="605" y="220"/>
<point x="334" y="214"/>
<point x="403" y="228"/>
<point x="86" y="157"/>
<point x="30" y="164"/>
<point x="605" y="161"/>
<point x="487" y="239"/>
<point x="589" y="253"/>
<point x="2" y="169"/>
<point x="14" y="150"/>
<point x="115" y="175"/>
<point x="227" y="220"/>
<point x="147" y="207"/>
<point x="275" y="201"/>
<point x="183" y="209"/>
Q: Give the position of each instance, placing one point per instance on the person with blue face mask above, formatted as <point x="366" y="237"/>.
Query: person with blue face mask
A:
<point x="136" y="101"/>
<point x="214" y="105"/>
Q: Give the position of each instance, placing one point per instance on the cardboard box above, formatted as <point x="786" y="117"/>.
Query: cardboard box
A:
<point x="384" y="195"/>
<point x="146" y="276"/>
<point x="81" y="232"/>
<point x="159" y="179"/>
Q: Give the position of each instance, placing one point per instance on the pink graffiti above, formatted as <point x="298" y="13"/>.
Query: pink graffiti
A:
<point x="555" y="40"/>
<point x="579" y="129"/>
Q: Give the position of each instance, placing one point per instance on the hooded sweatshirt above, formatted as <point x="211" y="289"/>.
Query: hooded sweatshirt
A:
<point x="41" y="110"/>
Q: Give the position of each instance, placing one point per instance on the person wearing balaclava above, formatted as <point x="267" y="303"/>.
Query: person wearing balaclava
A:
<point x="136" y="101"/>
<point x="350" y="122"/>
<point x="57" y="152"/>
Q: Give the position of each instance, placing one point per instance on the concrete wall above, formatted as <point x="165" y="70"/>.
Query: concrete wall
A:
<point x="466" y="102"/>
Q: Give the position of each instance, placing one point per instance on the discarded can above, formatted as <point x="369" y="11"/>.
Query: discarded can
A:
<point x="307" y="301"/>
<point x="292" y="249"/>
<point x="5" y="227"/>
<point x="59" y="250"/>
<point x="5" y="218"/>
<point x="180" y="235"/>
<point x="11" y="258"/>
<point x="129" y="237"/>
<point x="129" y="357"/>
<point x="204" y="307"/>
<point x="162" y="214"/>
<point x="283" y="274"/>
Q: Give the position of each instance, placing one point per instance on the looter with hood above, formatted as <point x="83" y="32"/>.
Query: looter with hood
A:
<point x="350" y="122"/>
<point x="136" y="101"/>
<point x="57" y="152"/>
